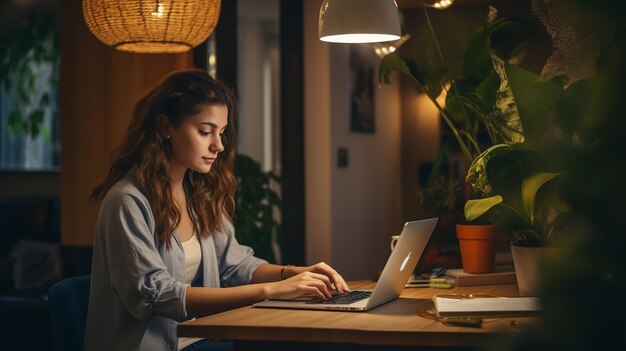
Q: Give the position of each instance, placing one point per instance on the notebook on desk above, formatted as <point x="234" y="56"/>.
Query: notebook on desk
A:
<point x="487" y="307"/>
<point x="399" y="267"/>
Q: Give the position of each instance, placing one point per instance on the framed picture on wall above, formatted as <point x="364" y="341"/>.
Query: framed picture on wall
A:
<point x="363" y="67"/>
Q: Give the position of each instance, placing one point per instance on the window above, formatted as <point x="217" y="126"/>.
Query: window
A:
<point x="29" y="71"/>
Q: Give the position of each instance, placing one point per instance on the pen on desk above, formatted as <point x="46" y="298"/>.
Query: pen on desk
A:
<point x="472" y="322"/>
<point x="417" y="285"/>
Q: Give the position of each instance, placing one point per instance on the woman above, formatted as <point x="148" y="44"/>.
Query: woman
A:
<point x="165" y="250"/>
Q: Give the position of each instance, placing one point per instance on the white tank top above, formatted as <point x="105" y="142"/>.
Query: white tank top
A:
<point x="193" y="258"/>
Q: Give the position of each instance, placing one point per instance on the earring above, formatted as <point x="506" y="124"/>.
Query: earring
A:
<point x="167" y="137"/>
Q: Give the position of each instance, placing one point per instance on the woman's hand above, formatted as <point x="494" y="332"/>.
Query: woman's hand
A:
<point x="305" y="283"/>
<point x="336" y="281"/>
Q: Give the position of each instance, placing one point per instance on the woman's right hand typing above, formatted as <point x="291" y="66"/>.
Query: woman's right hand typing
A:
<point x="303" y="284"/>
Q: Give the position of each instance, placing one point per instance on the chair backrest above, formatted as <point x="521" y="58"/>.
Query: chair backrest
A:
<point x="69" y="300"/>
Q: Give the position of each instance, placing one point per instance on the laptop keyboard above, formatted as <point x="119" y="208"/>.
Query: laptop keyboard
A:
<point x="344" y="298"/>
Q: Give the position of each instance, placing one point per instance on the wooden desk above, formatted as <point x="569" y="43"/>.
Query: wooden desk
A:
<point x="395" y="323"/>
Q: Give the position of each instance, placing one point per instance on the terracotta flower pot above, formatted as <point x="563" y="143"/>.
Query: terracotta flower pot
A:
<point x="478" y="247"/>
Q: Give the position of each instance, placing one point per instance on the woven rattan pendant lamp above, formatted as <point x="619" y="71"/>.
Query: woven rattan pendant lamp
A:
<point x="151" y="26"/>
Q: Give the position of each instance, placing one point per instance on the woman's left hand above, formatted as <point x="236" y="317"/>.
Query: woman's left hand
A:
<point x="322" y="268"/>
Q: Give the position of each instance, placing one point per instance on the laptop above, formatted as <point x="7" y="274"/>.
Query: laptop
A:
<point x="392" y="281"/>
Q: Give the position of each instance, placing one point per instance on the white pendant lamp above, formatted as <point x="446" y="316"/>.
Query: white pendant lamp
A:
<point x="359" y="21"/>
<point x="151" y="26"/>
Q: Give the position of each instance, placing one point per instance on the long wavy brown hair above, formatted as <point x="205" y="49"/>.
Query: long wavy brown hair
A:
<point x="146" y="150"/>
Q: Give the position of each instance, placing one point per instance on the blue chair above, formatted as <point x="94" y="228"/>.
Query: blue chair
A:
<point x="68" y="301"/>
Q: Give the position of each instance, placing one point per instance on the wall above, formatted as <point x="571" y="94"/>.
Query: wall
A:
<point x="250" y="86"/>
<point x="258" y="88"/>
<point x="317" y="149"/>
<point x="350" y="212"/>
<point x="98" y="89"/>
<point x="421" y="139"/>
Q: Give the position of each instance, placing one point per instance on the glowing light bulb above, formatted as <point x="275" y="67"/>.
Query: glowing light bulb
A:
<point x="159" y="11"/>
<point x="440" y="4"/>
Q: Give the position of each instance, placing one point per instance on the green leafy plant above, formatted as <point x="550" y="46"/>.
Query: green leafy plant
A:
<point x="480" y="93"/>
<point x="257" y="205"/>
<point x="441" y="193"/>
<point x="29" y="73"/>
<point x="520" y="112"/>
<point x="444" y="194"/>
<point x="525" y="206"/>
<point x="517" y="185"/>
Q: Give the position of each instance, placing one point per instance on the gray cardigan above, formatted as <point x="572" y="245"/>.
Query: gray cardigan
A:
<point x="137" y="290"/>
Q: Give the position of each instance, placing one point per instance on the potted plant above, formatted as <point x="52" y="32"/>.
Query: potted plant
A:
<point x="514" y="183"/>
<point x="257" y="208"/>
<point x="519" y="111"/>
<point x="441" y="196"/>
<point x="469" y="108"/>
<point x="521" y="198"/>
